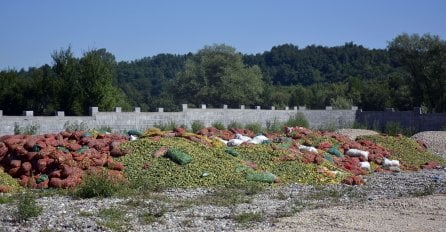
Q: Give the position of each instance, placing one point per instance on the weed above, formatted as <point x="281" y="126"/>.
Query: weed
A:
<point x="428" y="190"/>
<point x="98" y="185"/>
<point x="297" y="120"/>
<point x="85" y="214"/>
<point x="281" y="196"/>
<point x="219" y="125"/>
<point x="248" y="217"/>
<point x="113" y="219"/>
<point x="234" y="124"/>
<point x="5" y="200"/>
<point x="166" y="126"/>
<point x="27" y="207"/>
<point x="151" y="216"/>
<point x="75" y="126"/>
<point x="197" y="125"/>
<point x="31" y="129"/>
<point x="225" y="197"/>
<point x="274" y="126"/>
<point x="254" y="127"/>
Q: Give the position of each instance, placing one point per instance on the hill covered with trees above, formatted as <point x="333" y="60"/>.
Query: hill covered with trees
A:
<point x="410" y="72"/>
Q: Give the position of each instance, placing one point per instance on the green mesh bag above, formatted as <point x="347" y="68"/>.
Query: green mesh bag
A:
<point x="261" y="177"/>
<point x="231" y="151"/>
<point x="335" y="152"/>
<point x="178" y="156"/>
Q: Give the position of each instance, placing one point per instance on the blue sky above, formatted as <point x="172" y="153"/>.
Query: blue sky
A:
<point x="131" y="29"/>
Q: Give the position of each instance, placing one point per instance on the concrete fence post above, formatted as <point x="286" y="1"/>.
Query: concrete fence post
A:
<point x="295" y="108"/>
<point x="273" y="108"/>
<point x="1" y="113"/>
<point x="257" y="107"/>
<point x="94" y="110"/>
<point x="242" y="107"/>
<point x="60" y="113"/>
<point x="203" y="106"/>
<point x="225" y="107"/>
<point x="160" y="110"/>
<point x="287" y="108"/>
<point x="118" y="109"/>
<point x="354" y="108"/>
<point x="328" y="108"/>
<point x="137" y="110"/>
<point x="302" y="107"/>
<point x="28" y="113"/>
<point x="184" y="107"/>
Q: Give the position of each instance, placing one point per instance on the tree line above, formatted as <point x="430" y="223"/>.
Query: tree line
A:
<point x="410" y="72"/>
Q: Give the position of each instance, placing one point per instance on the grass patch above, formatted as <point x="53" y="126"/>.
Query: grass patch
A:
<point x="85" y="214"/>
<point x="254" y="127"/>
<point x="151" y="215"/>
<point x="219" y="125"/>
<point x="298" y="120"/>
<point x="244" y="218"/>
<point x="98" y="185"/>
<point x="113" y="218"/>
<point x="226" y="197"/>
<point x="428" y="190"/>
<point x="197" y="125"/>
<point x="6" y="200"/>
<point x="27" y="207"/>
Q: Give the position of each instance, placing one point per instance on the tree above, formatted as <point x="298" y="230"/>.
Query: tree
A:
<point x="424" y="58"/>
<point x="216" y="75"/>
<point x="98" y="69"/>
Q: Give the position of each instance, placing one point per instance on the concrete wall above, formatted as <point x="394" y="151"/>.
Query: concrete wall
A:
<point x="122" y="121"/>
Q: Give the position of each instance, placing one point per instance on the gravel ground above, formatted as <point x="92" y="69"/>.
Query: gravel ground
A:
<point x="386" y="202"/>
<point x="435" y="141"/>
<point x="406" y="201"/>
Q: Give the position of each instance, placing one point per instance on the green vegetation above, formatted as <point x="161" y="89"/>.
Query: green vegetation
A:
<point x="254" y="127"/>
<point x="113" y="218"/>
<point x="98" y="185"/>
<point x="408" y="73"/>
<point x="248" y="217"/>
<point x="197" y="125"/>
<point x="219" y="125"/>
<point x="27" y="207"/>
<point x="27" y="130"/>
<point x="234" y="124"/>
<point x="75" y="126"/>
<point x="394" y="128"/>
<point x="298" y="120"/>
<point x="166" y="126"/>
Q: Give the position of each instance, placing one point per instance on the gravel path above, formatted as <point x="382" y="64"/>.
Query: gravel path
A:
<point x="387" y="202"/>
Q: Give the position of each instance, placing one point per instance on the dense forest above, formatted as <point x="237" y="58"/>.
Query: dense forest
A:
<point x="410" y="72"/>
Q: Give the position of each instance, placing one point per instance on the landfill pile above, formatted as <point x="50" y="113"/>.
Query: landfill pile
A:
<point x="208" y="158"/>
<point x="59" y="160"/>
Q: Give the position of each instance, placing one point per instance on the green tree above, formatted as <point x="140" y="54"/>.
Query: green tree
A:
<point x="216" y="75"/>
<point x="424" y="58"/>
<point x="98" y="69"/>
